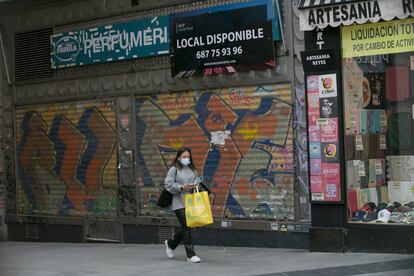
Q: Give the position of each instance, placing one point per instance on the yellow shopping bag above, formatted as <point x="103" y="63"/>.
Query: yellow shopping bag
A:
<point x="197" y="209"/>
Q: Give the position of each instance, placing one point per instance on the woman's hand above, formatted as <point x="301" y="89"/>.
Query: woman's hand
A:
<point x="187" y="187"/>
<point x="211" y="197"/>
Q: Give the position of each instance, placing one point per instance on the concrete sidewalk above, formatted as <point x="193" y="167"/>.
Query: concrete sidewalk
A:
<point x="66" y="259"/>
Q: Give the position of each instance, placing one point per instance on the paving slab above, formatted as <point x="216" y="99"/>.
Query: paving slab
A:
<point x="84" y="259"/>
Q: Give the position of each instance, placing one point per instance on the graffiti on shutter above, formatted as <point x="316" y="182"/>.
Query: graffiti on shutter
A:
<point x="66" y="160"/>
<point x="241" y="141"/>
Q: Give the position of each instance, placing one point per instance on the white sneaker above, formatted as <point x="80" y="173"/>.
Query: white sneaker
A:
<point x="168" y="250"/>
<point x="194" y="259"/>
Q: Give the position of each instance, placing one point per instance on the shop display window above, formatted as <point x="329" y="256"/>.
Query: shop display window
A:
<point x="378" y="99"/>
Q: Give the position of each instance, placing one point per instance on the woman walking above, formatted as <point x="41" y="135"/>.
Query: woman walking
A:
<point x="181" y="178"/>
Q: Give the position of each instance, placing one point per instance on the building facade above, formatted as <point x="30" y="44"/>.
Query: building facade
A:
<point x="89" y="133"/>
<point x="359" y="74"/>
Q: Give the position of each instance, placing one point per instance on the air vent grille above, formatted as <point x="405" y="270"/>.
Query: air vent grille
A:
<point x="135" y="3"/>
<point x="166" y="232"/>
<point x="32" y="55"/>
<point x="31" y="231"/>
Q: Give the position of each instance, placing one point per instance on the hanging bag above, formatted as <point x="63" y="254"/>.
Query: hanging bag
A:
<point x="197" y="209"/>
<point x="165" y="199"/>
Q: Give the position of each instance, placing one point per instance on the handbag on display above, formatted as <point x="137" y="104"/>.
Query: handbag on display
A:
<point x="165" y="199"/>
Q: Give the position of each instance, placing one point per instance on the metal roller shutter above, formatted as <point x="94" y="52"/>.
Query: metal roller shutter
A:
<point x="241" y="139"/>
<point x="66" y="159"/>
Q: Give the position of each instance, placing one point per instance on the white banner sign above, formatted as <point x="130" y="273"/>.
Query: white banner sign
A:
<point x="360" y="12"/>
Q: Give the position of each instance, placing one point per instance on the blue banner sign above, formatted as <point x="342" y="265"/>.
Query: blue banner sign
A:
<point x="121" y="41"/>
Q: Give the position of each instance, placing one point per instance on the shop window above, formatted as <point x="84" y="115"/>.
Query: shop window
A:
<point x="379" y="129"/>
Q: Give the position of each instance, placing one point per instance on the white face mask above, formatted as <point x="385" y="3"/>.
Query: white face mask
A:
<point x="185" y="161"/>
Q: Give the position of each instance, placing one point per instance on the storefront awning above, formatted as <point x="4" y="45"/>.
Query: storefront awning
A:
<point x="323" y="13"/>
<point x="305" y="4"/>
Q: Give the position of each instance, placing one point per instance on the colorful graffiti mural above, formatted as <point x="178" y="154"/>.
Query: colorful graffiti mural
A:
<point x="242" y="145"/>
<point x="66" y="159"/>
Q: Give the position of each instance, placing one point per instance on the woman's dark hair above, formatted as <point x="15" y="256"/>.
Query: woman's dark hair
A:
<point x="176" y="163"/>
